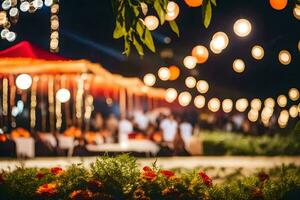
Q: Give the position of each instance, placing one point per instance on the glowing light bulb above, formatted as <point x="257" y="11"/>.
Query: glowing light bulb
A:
<point x="199" y="101"/>
<point x="284" y="57"/>
<point x="242" y="27"/>
<point x="190" y="62"/>
<point x="63" y="95"/>
<point x="296" y="12"/>
<point x="293" y="111"/>
<point x="201" y="53"/>
<point x="202" y="86"/>
<point x="238" y="65"/>
<point x="282" y="101"/>
<point x="151" y="22"/>
<point x="214" y="104"/>
<point x="219" y="42"/>
<point x="257" y="52"/>
<point x="294" y="94"/>
<point x="253" y="115"/>
<point x="23" y="81"/>
<point x="269" y="102"/>
<point x="184" y="98"/>
<point x="227" y="105"/>
<point x="241" y="104"/>
<point x="171" y="95"/>
<point x="256" y="104"/>
<point x="164" y="73"/>
<point x="149" y="79"/>
<point x="172" y="11"/>
<point x="190" y="82"/>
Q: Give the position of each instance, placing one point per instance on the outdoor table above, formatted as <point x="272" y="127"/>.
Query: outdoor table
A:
<point x="25" y="147"/>
<point x="139" y="146"/>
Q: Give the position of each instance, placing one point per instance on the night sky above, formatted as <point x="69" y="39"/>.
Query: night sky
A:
<point x="86" y="32"/>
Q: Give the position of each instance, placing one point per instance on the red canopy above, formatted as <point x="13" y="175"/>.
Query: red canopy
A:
<point x="25" y="49"/>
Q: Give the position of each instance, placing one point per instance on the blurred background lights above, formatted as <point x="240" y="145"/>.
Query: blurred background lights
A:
<point x="238" y="65"/>
<point x="214" y="104"/>
<point x="253" y="115"/>
<point x="293" y="111"/>
<point x="296" y="11"/>
<point x="242" y="27"/>
<point x="241" y="104"/>
<point x="294" y="94"/>
<point x="171" y="95"/>
<point x="190" y="82"/>
<point x="149" y="79"/>
<point x="255" y="104"/>
<point x="63" y="95"/>
<point x="174" y="72"/>
<point x="284" y="57"/>
<point x="202" y="86"/>
<point x="172" y="11"/>
<point x="227" y="105"/>
<point x="219" y="42"/>
<point x="190" y="62"/>
<point x="23" y="81"/>
<point x="184" y="98"/>
<point x="269" y="102"/>
<point x="201" y="53"/>
<point x="199" y="101"/>
<point x="257" y="52"/>
<point x="151" y="22"/>
<point x="282" y="101"/>
<point x="164" y="73"/>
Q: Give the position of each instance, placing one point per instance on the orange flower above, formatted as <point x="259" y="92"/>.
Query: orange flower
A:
<point x="47" y="189"/>
<point x="167" y="173"/>
<point x="56" y="171"/>
<point x="206" y="180"/>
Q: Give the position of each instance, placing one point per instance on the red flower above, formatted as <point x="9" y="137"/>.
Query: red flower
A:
<point x="40" y="175"/>
<point x="149" y="175"/>
<point x="56" y="170"/>
<point x="47" y="189"/>
<point x="206" y="180"/>
<point x="147" y="169"/>
<point x="167" y="173"/>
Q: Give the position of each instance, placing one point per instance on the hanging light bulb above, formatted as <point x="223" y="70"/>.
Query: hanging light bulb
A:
<point x="214" y="104"/>
<point x="184" y="98"/>
<point x="269" y="102"/>
<point x="241" y="104"/>
<point x="219" y="41"/>
<point x="293" y="111"/>
<point x="190" y="62"/>
<point x="11" y="36"/>
<point x="151" y="22"/>
<point x="164" y="73"/>
<point x="6" y="4"/>
<point x="63" y="95"/>
<point x="256" y="104"/>
<point x="284" y="57"/>
<point x="296" y="12"/>
<point x="212" y="48"/>
<point x="257" y="52"/>
<point x="282" y="101"/>
<point x="202" y="86"/>
<point x="238" y="65"/>
<point x="172" y="11"/>
<point x="48" y="3"/>
<point x="199" y="101"/>
<point x="24" y="6"/>
<point x="23" y="81"/>
<point x="283" y="118"/>
<point x="267" y="113"/>
<point x="242" y="27"/>
<point x="294" y="94"/>
<point x="149" y="79"/>
<point x="13" y="12"/>
<point x="201" y="53"/>
<point x="227" y="105"/>
<point x="171" y="95"/>
<point x="174" y="72"/>
<point x="4" y="33"/>
<point x="253" y="115"/>
<point x="190" y="82"/>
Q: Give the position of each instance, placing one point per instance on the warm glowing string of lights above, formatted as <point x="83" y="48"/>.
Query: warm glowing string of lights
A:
<point x="54" y="25"/>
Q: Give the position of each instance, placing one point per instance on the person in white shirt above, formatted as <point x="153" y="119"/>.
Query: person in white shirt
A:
<point x="186" y="130"/>
<point x="169" y="128"/>
<point x="125" y="128"/>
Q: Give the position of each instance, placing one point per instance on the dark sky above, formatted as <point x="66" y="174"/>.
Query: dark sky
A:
<point x="87" y="26"/>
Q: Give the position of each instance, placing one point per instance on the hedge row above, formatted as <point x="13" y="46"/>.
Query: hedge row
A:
<point x="120" y="178"/>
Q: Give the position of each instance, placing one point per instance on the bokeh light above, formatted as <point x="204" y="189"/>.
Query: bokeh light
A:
<point x="149" y="79"/>
<point x="63" y="95"/>
<point x="201" y="53"/>
<point x="214" y="104"/>
<point x="164" y="73"/>
<point x="294" y="94"/>
<point x="199" y="101"/>
<point x="23" y="81"/>
<point x="227" y="105"/>
<point x="238" y="65"/>
<point x="282" y="101"/>
<point x="257" y="52"/>
<point x="202" y="86"/>
<point x="241" y="105"/>
<point x="190" y="82"/>
<point x="171" y="95"/>
<point x="256" y="104"/>
<point x="284" y="57"/>
<point x="184" y="98"/>
<point x="172" y="11"/>
<point x="190" y="62"/>
<point x="242" y="27"/>
<point x="151" y="22"/>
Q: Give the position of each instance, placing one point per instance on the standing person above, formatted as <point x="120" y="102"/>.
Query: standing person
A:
<point x="125" y="127"/>
<point x="97" y="122"/>
<point x="186" y="130"/>
<point x="169" y="128"/>
<point x="179" y="144"/>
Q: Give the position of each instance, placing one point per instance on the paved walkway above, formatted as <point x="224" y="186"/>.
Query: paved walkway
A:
<point x="167" y="163"/>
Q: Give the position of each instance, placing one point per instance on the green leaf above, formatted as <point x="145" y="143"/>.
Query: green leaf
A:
<point x="160" y="12"/>
<point x="138" y="47"/>
<point x="174" y="27"/>
<point x="148" y="40"/>
<point x="118" y="32"/>
<point x="126" y="47"/>
<point x="206" y="13"/>
<point x="214" y="2"/>
<point x="140" y="28"/>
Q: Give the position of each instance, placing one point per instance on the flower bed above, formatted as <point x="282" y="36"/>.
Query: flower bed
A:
<point x="120" y="178"/>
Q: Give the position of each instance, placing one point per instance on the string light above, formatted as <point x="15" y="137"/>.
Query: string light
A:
<point x="151" y="22"/>
<point x="294" y="94"/>
<point x="241" y="104"/>
<point x="253" y="115"/>
<point x="255" y="104"/>
<point x="184" y="98"/>
<point x="238" y="65"/>
<point x="227" y="105"/>
<point x="23" y="81"/>
<point x="190" y="62"/>
<point x="282" y="101"/>
<point x="199" y="101"/>
<point x="164" y="73"/>
<point x="242" y="27"/>
<point x="54" y="25"/>
<point x="293" y="111"/>
<point x="63" y="95"/>
<point x="174" y="72"/>
<point x="202" y="86"/>
<point x="172" y="11"/>
<point x="214" y="104"/>
<point x="283" y="118"/>
<point x="269" y="102"/>
<point x="296" y="11"/>
<point x="284" y="57"/>
<point x="201" y="53"/>
<point x="257" y="52"/>
<point x="171" y="95"/>
<point x="190" y="82"/>
<point x="219" y="42"/>
<point x="149" y="79"/>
